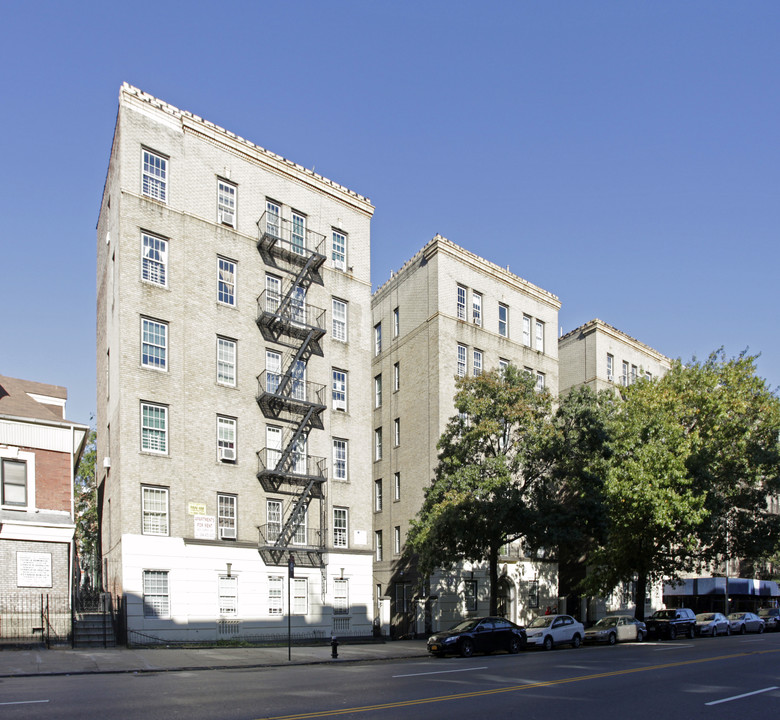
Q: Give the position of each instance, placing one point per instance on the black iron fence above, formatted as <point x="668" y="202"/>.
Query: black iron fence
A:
<point x="35" y="619"/>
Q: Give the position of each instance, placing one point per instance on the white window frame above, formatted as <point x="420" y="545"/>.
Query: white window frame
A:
<point x="397" y="486"/>
<point x="461" y="303"/>
<point x="539" y="345"/>
<point x="339" y="320"/>
<point x="476" y="367"/>
<point x="227" y="433"/>
<point x="527" y="330"/>
<point x="227" y="275"/>
<point x="540" y="381"/>
<point x="476" y="308"/>
<point x="226" y="202"/>
<point x="396" y="376"/>
<point x="462" y="360"/>
<point x="397" y="432"/>
<point x="226" y="361"/>
<point x="273" y="218"/>
<point x="377" y="338"/>
<point x="155" y="511"/>
<point x="396" y="322"/>
<point x="378" y="549"/>
<point x="298" y="232"/>
<point x="378" y="444"/>
<point x="301" y="530"/>
<point x="275" y="594"/>
<point x="156" y="594"/>
<point x="154" y="259"/>
<point x="227" y="514"/>
<point x="634" y="374"/>
<point x="340" y="527"/>
<point x="378" y="496"/>
<point x="274" y="516"/>
<point x="339" y="250"/>
<point x="340" y="596"/>
<point x="339" y="389"/>
<point x="154" y="344"/>
<point x="397" y="539"/>
<point x="624" y="376"/>
<point x="273" y="293"/>
<point x="227" y="595"/>
<point x="610" y="367"/>
<point x="154" y="436"/>
<point x="378" y="391"/>
<point x="154" y="175"/>
<point x="503" y="320"/>
<point x="340" y="459"/>
<point x="300" y="598"/>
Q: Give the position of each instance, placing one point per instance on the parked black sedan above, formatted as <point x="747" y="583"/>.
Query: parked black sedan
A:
<point x="485" y="635"/>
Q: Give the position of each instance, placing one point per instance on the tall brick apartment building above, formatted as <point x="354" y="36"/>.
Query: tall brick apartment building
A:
<point x="234" y="359"/>
<point x="39" y="453"/>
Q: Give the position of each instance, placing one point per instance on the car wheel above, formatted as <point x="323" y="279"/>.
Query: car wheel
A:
<point x="742" y="630"/>
<point x="672" y="633"/>
<point x="692" y="632"/>
<point x="760" y="629"/>
<point x="576" y="641"/>
<point x="612" y="639"/>
<point x="548" y="643"/>
<point x="514" y="645"/>
<point x="728" y="630"/>
<point x="466" y="648"/>
<point x="639" y="636"/>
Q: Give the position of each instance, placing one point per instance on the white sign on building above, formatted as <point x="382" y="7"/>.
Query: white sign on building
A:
<point x="205" y="527"/>
<point x="33" y="569"/>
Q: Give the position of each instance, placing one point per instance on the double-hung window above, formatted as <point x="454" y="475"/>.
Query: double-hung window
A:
<point x="339" y="389"/>
<point x="397" y="539"/>
<point x="340" y="527"/>
<point x="298" y="235"/>
<point x="226" y="281"/>
<point x="273" y="294"/>
<point x="378" y="545"/>
<point x="461" y="371"/>
<point x="526" y="331"/>
<point x="299" y="536"/>
<point x="154" y="506"/>
<point x="540" y="381"/>
<point x="14" y="479"/>
<point x="503" y="320"/>
<point x="396" y="322"/>
<point x="339" y="252"/>
<point x="397" y="432"/>
<point x="378" y="495"/>
<point x="300" y="598"/>
<point x="539" y="336"/>
<point x="154" y="254"/>
<point x="273" y="222"/>
<point x="377" y="338"/>
<point x="154" y="183"/>
<point x="477" y="366"/>
<point x="275" y="595"/>
<point x="154" y="344"/>
<point x="156" y="601"/>
<point x="339" y="320"/>
<point x="610" y="367"/>
<point x="226" y="361"/>
<point x="340" y="597"/>
<point x="461" y="303"/>
<point x="339" y="459"/>
<point x="397" y="486"/>
<point x="396" y="376"/>
<point x="378" y="391"/>
<point x="273" y="520"/>
<point x="634" y="374"/>
<point x="226" y="515"/>
<point x="226" y="439"/>
<point x="378" y="444"/>
<point x="624" y="376"/>
<point x="476" y="308"/>
<point x="154" y="428"/>
<point x="226" y="203"/>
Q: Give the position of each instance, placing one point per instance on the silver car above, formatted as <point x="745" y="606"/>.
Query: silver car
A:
<point x="616" y="628"/>
<point x="712" y="624"/>
<point x="743" y="622"/>
<point x="549" y="630"/>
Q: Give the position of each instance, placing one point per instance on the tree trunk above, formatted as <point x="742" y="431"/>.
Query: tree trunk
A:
<point x="493" y="581"/>
<point x="641" y="593"/>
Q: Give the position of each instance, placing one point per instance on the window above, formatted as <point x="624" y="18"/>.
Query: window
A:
<point x="502" y="365"/>
<point x="226" y="516"/>
<point x="377" y="338"/>
<point x="154" y="344"/>
<point x="526" y="331"/>
<point x="396" y="376"/>
<point x="154" y="510"/>
<point x="154" y="265"/>
<point x="397" y="539"/>
<point x="461" y="360"/>
<point x="378" y="495"/>
<point x="461" y="303"/>
<point x="339" y="250"/>
<point x="470" y="594"/>
<point x="539" y="336"/>
<point x="273" y="445"/>
<point x="397" y="432"/>
<point x="378" y="391"/>
<point x="228" y="595"/>
<point x="275" y="596"/>
<point x="226" y="361"/>
<point x="340" y="597"/>
<point x="298" y="305"/>
<point x="378" y="545"/>
<point x="476" y="308"/>
<point x="14" y="480"/>
<point x="503" y="320"/>
<point x="396" y="323"/>
<point x="477" y="367"/>
<point x="339" y="320"/>
<point x="339" y="459"/>
<point x="226" y="203"/>
<point x="156" y="603"/>
<point x="272" y="219"/>
<point x="378" y="444"/>
<point x="298" y="237"/>
<point x="154" y="183"/>
<point x="154" y="428"/>
<point x="634" y="374"/>
<point x="226" y="281"/>
<point x="540" y="381"/>
<point x="648" y="375"/>
<point x="533" y="594"/>
<point x="273" y="293"/>
<point x="624" y="376"/>
<point x="340" y="527"/>
<point x="300" y="599"/>
<point x="610" y="367"/>
<point x="226" y="439"/>
<point x="339" y="390"/>
<point x="299" y="536"/>
<point x="273" y="520"/>
<point x="397" y="486"/>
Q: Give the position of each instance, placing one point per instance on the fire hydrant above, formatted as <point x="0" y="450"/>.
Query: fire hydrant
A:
<point x="334" y="647"/>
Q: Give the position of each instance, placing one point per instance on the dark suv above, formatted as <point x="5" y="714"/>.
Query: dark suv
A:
<point x="771" y="617"/>
<point x="671" y="623"/>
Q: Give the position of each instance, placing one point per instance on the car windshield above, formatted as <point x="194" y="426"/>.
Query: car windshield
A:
<point x="606" y="622"/>
<point x="663" y="614"/>
<point x="736" y="616"/>
<point x="464" y="626"/>
<point x="543" y="621"/>
<point x="705" y="617"/>
<point x="767" y="612"/>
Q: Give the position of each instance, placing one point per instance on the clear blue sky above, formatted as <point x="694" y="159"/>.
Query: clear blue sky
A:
<point x="622" y="155"/>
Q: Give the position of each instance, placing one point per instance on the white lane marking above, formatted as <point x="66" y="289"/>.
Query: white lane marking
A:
<point x="24" y="702"/>
<point x="739" y="697"/>
<point x="441" y="672"/>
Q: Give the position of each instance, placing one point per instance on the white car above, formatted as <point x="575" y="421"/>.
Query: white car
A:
<point x="549" y="630"/>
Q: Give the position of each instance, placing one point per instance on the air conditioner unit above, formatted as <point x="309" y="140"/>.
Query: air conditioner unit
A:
<point x="227" y="454"/>
<point x="227" y="533"/>
<point x="610" y="378"/>
<point x="228" y="218"/>
<point x="106" y="462"/>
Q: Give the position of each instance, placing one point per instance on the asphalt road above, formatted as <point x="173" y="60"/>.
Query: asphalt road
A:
<point x="715" y="678"/>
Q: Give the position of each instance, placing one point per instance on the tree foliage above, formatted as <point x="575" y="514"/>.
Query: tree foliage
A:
<point x="87" y="528"/>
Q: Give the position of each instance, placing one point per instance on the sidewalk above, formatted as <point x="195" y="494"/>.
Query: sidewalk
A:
<point x="39" y="661"/>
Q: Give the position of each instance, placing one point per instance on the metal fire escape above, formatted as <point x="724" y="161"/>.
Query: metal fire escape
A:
<point x="285" y="396"/>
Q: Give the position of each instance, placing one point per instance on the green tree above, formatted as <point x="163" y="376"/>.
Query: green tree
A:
<point x="491" y="462"/>
<point x="87" y="529"/>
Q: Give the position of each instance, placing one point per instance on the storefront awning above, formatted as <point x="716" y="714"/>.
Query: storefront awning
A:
<point x="717" y="586"/>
